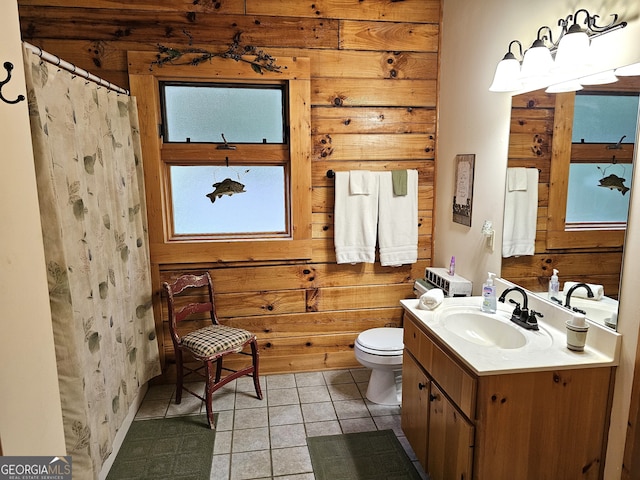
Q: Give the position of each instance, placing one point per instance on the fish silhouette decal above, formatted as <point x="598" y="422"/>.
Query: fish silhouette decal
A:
<point x="614" y="182"/>
<point x="225" y="187"/>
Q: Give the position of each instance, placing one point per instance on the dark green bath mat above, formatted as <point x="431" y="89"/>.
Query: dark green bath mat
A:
<point x="166" y="448"/>
<point x="368" y="456"/>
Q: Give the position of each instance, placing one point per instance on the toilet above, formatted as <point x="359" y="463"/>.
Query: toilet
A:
<point x="380" y="349"/>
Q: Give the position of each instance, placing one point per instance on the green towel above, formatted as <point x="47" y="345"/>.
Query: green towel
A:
<point x="399" y="179"/>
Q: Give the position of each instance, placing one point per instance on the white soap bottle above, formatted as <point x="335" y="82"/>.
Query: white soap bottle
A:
<point x="554" y="286"/>
<point x="489" y="303"/>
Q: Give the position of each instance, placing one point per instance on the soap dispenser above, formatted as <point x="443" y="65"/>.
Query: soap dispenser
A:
<point x="489" y="304"/>
<point x="554" y="286"/>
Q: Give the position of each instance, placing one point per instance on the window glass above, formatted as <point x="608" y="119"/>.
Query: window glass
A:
<point x="203" y="112"/>
<point x="244" y="200"/>
<point x="605" y="118"/>
<point x="587" y="201"/>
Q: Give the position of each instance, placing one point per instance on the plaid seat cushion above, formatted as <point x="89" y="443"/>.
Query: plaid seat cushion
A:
<point x="213" y="339"/>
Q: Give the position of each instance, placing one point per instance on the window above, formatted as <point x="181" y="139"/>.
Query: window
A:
<point x="202" y="112"/>
<point x="227" y="159"/>
<point x="603" y="133"/>
<point x="589" y="153"/>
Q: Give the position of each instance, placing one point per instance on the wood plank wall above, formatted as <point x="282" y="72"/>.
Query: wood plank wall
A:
<point x="530" y="141"/>
<point x="374" y="72"/>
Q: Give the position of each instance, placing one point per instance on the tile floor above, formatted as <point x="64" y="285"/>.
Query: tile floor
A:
<point x="266" y="439"/>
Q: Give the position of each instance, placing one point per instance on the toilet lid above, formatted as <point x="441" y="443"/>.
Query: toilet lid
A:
<point x="385" y="339"/>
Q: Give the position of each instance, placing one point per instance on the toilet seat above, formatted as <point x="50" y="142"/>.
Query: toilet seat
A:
<point x="384" y="341"/>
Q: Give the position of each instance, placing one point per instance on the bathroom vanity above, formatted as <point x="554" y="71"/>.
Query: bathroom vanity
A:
<point x="482" y="401"/>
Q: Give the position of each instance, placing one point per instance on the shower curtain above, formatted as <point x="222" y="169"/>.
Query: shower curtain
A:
<point x="89" y="175"/>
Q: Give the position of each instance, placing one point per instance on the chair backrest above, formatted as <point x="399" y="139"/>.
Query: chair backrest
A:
<point x="179" y="311"/>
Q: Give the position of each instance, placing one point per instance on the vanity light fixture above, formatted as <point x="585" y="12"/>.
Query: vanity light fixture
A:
<point x="568" y="86"/>
<point x="507" y="77"/>
<point x="632" y="70"/>
<point x="601" y="78"/>
<point x="537" y="61"/>
<point x="573" y="48"/>
<point x="572" y="55"/>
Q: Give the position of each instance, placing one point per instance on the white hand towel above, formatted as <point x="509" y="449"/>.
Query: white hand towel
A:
<point x="517" y="179"/>
<point x="598" y="291"/>
<point x="431" y="299"/>
<point x="398" y="221"/>
<point x="520" y="217"/>
<point x="360" y="182"/>
<point x="355" y="222"/>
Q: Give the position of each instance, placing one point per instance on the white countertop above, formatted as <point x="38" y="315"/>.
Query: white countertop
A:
<point x="544" y="349"/>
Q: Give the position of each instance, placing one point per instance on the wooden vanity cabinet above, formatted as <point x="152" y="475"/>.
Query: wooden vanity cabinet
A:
<point x="525" y="426"/>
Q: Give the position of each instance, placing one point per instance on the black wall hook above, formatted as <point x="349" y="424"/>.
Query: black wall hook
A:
<point x="8" y="66"/>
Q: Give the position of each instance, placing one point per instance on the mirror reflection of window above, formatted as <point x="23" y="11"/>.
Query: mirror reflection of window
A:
<point x="604" y="130"/>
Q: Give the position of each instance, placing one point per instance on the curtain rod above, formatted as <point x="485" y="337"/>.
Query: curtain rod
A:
<point x="70" y="67"/>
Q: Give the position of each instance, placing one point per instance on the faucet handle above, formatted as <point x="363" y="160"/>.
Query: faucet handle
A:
<point x="532" y="316"/>
<point x="516" y="311"/>
<point x="532" y="320"/>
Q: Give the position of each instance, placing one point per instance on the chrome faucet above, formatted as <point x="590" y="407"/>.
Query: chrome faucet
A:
<point x="567" y="298"/>
<point x="521" y="316"/>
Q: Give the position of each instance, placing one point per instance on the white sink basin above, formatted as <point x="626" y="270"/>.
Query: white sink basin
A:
<point x="484" y="329"/>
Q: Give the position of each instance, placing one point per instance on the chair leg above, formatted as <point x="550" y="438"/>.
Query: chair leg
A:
<point x="218" y="369"/>
<point x="209" y="393"/>
<point x="256" y="360"/>
<point x="179" y="376"/>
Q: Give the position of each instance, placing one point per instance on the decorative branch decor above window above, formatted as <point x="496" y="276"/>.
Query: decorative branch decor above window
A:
<point x="195" y="56"/>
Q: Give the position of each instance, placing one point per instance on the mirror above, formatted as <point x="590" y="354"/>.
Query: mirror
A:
<point x="534" y="140"/>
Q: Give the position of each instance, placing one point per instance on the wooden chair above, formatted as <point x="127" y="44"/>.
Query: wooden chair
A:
<point x="209" y="344"/>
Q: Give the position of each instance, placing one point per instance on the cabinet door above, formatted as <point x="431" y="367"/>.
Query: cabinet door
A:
<point x="450" y="448"/>
<point x="415" y="407"/>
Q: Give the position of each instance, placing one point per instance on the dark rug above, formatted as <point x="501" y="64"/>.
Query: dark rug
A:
<point x="166" y="448"/>
<point x="368" y="456"/>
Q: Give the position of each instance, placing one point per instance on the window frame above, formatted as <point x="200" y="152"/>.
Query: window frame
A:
<point x="158" y="156"/>
<point x="558" y="237"/>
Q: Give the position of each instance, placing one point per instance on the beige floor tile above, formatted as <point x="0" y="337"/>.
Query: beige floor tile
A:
<point x="266" y="439"/>
<point x="225" y="420"/>
<point x="283" y="396"/>
<point x="222" y="442"/>
<point x="302" y="476"/>
<point x="318" y="412"/>
<point x="285" y="415"/>
<point x="281" y="381"/>
<point x="152" y="409"/>
<point x="189" y="405"/>
<point x="309" y="379"/>
<point x="160" y="392"/>
<point x="318" y="429"/>
<point x="220" y="467"/>
<point x="289" y="461"/>
<point x="249" y="399"/>
<point x="353" y="425"/>
<point x="361" y="375"/>
<point x="378" y="410"/>
<point x="351" y="409"/>
<point x="250" y="418"/>
<point x="250" y="440"/>
<point x="288" y="436"/>
<point x="249" y="465"/>
<point x="389" y="422"/>
<point x="333" y="377"/>
<point x="313" y="394"/>
<point x="344" y="391"/>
